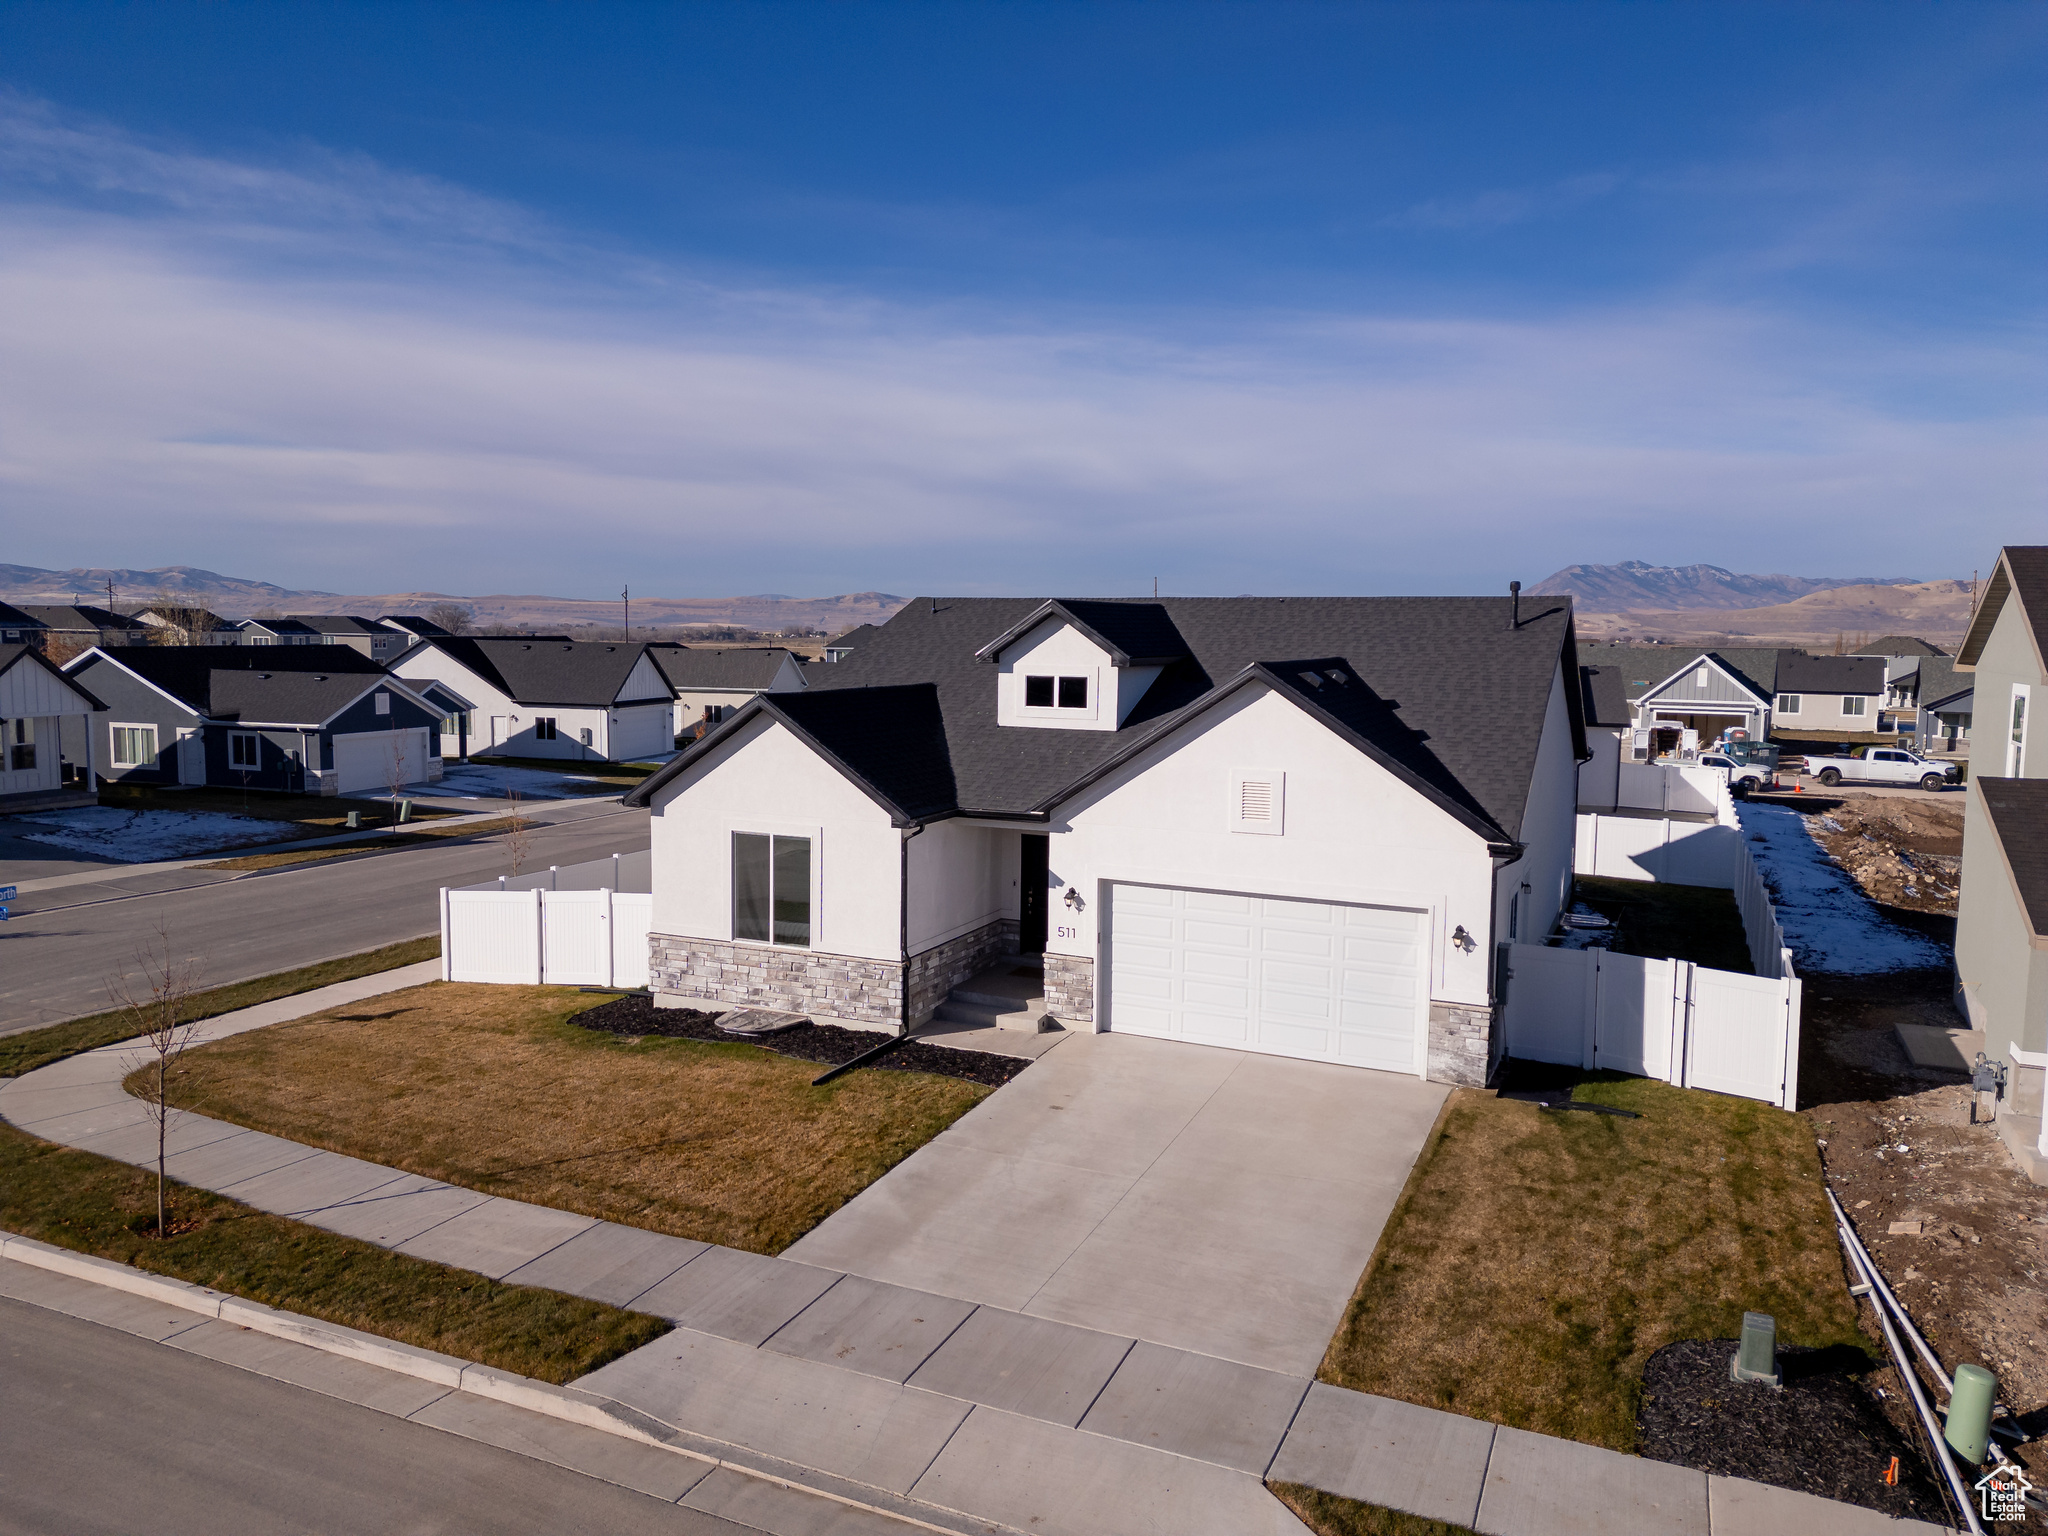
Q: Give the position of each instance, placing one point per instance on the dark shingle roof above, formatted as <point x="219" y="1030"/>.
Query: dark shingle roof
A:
<point x="579" y="672"/>
<point x="2017" y="810"/>
<point x="1900" y="645"/>
<point x="190" y="672"/>
<point x="1800" y="673"/>
<point x="853" y="639"/>
<point x="340" y="624"/>
<point x="287" y="698"/>
<point x="1604" y="694"/>
<point x="279" y="626"/>
<point x="1134" y="633"/>
<point x="84" y="616"/>
<point x="1440" y="689"/>
<point x="14" y="618"/>
<point x="689" y="666"/>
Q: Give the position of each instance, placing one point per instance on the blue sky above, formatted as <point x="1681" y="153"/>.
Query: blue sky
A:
<point x="975" y="298"/>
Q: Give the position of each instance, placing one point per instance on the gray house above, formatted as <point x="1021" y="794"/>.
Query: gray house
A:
<point x="17" y="628"/>
<point x="87" y="625"/>
<point x="2002" y="913"/>
<point x="711" y="682"/>
<point x="312" y="719"/>
<point x="1680" y="701"/>
<point x="373" y="637"/>
<point x="277" y="632"/>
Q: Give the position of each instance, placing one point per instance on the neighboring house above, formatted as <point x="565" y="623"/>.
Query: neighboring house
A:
<point x="1610" y="723"/>
<point x="2002" y="910"/>
<point x="87" y="625"/>
<point x="188" y="626"/>
<point x="711" y="683"/>
<point x="315" y="719"/>
<point x="848" y="643"/>
<point x="1298" y="826"/>
<point x="374" y="638"/>
<point x="413" y="627"/>
<point x="278" y="632"/>
<point x="17" y="628"/>
<point x="1775" y="694"/>
<point x="1943" y="724"/>
<point x="36" y="700"/>
<point x="587" y="699"/>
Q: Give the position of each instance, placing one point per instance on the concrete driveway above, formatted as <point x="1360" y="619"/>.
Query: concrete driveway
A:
<point x="1211" y="1200"/>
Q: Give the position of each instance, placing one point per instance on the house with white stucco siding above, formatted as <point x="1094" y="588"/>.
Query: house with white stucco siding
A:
<point x="1303" y="826"/>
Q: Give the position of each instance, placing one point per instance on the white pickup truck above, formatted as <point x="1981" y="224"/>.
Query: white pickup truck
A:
<point x="1883" y="765"/>
<point x="1740" y="775"/>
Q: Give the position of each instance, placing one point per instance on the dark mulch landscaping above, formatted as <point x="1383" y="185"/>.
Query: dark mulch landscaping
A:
<point x="828" y="1044"/>
<point x="1820" y="1433"/>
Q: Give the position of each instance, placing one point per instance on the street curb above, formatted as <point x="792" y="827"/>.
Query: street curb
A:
<point x="587" y="1409"/>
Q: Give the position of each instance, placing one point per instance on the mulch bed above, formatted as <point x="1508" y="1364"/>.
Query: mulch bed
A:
<point x="828" y="1044"/>
<point x="1821" y="1433"/>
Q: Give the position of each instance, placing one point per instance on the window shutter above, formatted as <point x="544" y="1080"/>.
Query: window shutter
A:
<point x="1258" y="801"/>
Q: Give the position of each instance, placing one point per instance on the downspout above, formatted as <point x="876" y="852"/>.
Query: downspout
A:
<point x="903" y="925"/>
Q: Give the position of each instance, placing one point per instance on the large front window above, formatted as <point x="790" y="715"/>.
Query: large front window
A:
<point x="771" y="888"/>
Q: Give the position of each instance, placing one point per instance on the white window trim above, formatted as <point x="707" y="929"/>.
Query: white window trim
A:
<point x="1793" y="708"/>
<point x="1053" y="712"/>
<point x="1234" y="816"/>
<point x="781" y="829"/>
<point x="256" y="741"/>
<point x="1852" y="706"/>
<point x="155" y="742"/>
<point x="2016" y="751"/>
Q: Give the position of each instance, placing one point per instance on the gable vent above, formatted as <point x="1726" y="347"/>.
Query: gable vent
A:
<point x="1255" y="800"/>
<point x="1258" y="801"/>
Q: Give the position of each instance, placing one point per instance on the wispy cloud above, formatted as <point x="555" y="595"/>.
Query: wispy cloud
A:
<point x="435" y="416"/>
<point x="1497" y="208"/>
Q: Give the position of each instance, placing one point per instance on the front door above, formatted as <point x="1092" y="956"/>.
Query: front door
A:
<point x="1031" y="888"/>
<point x="191" y="758"/>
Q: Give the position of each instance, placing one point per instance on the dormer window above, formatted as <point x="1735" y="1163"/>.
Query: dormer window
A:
<point x="1041" y="692"/>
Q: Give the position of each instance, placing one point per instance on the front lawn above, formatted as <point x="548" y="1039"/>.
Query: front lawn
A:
<point x="494" y="1088"/>
<point x="313" y="814"/>
<point x="95" y="1205"/>
<point x="1537" y="1258"/>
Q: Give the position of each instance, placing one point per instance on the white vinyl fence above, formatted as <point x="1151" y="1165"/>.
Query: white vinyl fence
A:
<point x="1669" y="1019"/>
<point x="577" y="925"/>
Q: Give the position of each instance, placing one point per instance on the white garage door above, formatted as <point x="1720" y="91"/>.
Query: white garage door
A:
<point x="1321" y="980"/>
<point x="363" y="762"/>
<point x="642" y="732"/>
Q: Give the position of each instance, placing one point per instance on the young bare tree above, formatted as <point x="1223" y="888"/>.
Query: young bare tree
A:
<point x="157" y="1000"/>
<point x="456" y="618"/>
<point x="394" y="768"/>
<point x="518" y="835"/>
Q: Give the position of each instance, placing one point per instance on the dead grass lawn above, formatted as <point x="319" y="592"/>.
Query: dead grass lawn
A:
<point x="1536" y="1259"/>
<point x="492" y="1088"/>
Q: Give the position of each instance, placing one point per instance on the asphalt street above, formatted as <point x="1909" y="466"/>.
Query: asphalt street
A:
<point x="62" y="946"/>
<point x="102" y="1432"/>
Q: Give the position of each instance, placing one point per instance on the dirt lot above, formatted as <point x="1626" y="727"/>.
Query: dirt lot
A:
<point x="1897" y="1143"/>
<point x="1904" y="853"/>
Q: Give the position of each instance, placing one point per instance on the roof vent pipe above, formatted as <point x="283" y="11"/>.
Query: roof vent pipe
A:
<point x="1514" y="605"/>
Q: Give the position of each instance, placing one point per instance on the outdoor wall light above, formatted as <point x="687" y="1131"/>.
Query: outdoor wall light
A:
<point x="1073" y="898"/>
<point x="1460" y="939"/>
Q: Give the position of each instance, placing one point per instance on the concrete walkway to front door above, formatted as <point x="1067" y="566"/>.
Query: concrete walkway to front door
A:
<point x="1211" y="1200"/>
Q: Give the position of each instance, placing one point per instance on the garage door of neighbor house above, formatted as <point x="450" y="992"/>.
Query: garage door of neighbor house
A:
<point x="642" y="732"/>
<point x="363" y="762"/>
<point x="1320" y="980"/>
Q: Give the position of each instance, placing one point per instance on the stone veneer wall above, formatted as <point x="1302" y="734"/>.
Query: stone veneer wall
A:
<point x="938" y="970"/>
<point x="791" y="980"/>
<point x="809" y="981"/>
<point x="1461" y="1040"/>
<point x="1070" y="988"/>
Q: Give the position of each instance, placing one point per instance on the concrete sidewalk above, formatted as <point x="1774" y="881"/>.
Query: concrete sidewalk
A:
<point x="1029" y="1423"/>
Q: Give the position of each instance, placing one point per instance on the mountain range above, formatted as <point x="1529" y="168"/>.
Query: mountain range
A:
<point x="232" y="597"/>
<point x="1665" y="588"/>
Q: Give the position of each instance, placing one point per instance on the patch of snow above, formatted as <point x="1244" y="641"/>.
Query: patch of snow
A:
<point x="481" y="781"/>
<point x="143" y="837"/>
<point x="1828" y="921"/>
<point x="1586" y="929"/>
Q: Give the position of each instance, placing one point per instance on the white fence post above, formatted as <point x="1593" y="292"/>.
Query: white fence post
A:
<point x="540" y="939"/>
<point x="447" y="941"/>
<point x="1793" y="988"/>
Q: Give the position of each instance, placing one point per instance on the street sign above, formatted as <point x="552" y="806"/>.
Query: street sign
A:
<point x="8" y="892"/>
<point x="3" y="914"/>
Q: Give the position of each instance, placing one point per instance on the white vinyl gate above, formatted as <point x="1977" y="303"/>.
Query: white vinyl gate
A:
<point x="1669" y="1019"/>
<point x="590" y="935"/>
<point x="1326" y="981"/>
